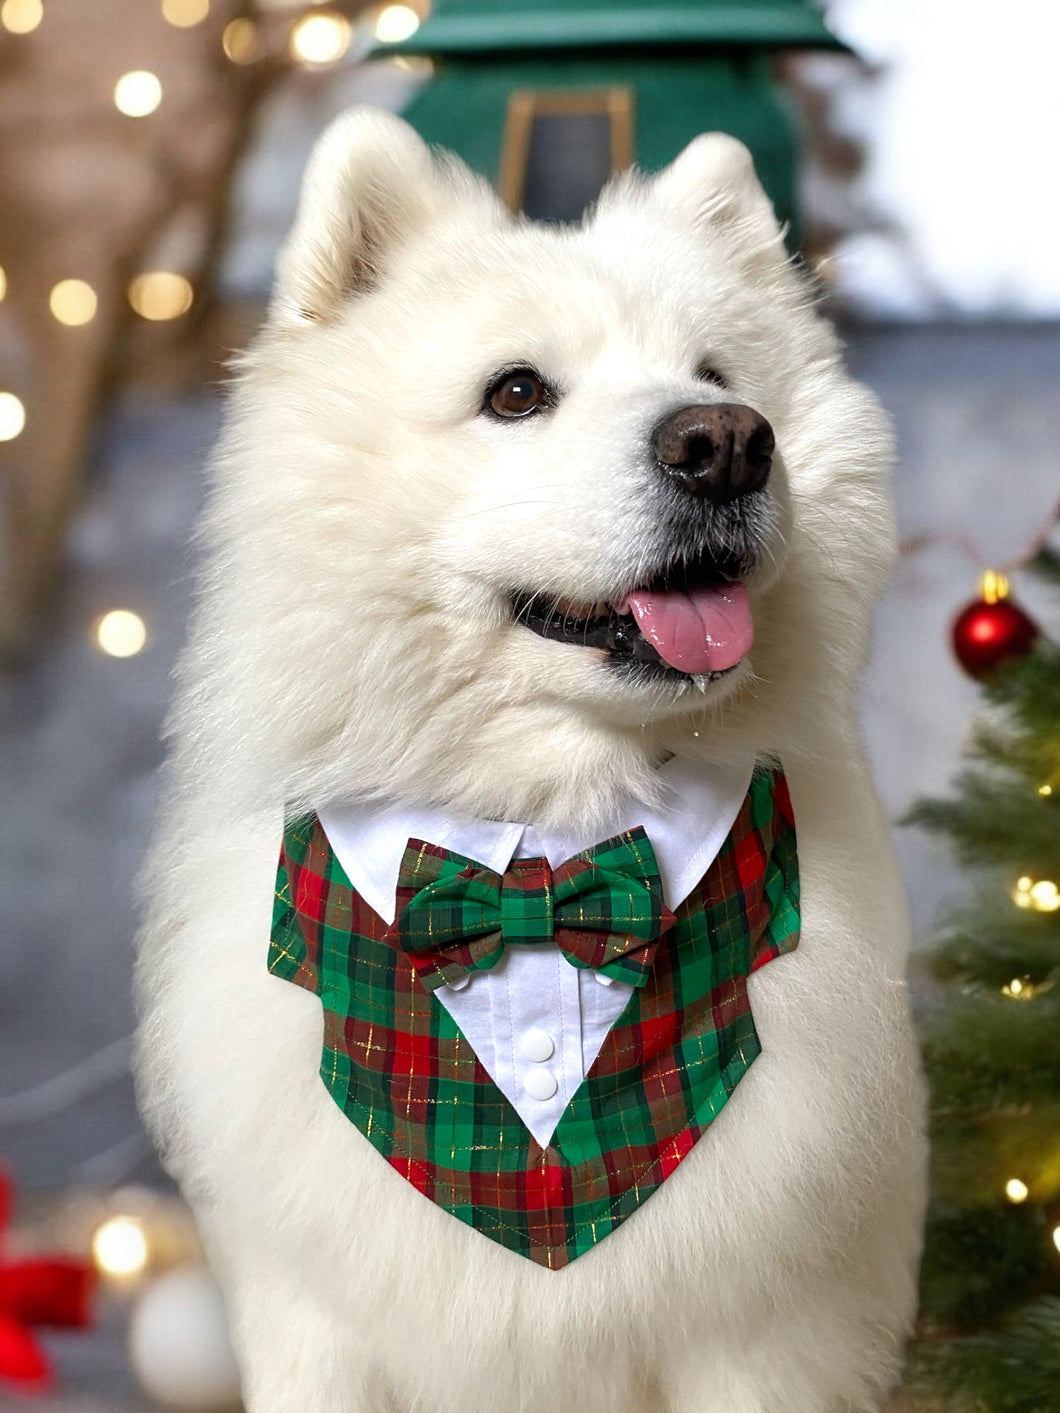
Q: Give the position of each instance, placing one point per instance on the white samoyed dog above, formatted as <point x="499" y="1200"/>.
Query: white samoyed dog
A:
<point x="505" y="516"/>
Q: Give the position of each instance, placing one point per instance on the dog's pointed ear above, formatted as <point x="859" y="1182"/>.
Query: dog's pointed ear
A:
<point x="713" y="183"/>
<point x="370" y="182"/>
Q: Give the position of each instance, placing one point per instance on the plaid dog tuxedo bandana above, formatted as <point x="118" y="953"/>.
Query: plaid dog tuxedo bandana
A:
<point x="398" y="1065"/>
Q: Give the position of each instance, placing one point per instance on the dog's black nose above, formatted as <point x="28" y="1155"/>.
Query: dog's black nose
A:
<point x="720" y="452"/>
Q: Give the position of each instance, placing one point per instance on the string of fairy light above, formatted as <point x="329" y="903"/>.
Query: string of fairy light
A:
<point x="1043" y="896"/>
<point x="1040" y="895"/>
<point x="313" y="39"/>
<point x="1037" y="895"/>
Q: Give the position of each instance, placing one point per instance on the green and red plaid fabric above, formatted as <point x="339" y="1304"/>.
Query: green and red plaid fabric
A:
<point x="396" y="1063"/>
<point x="604" y="908"/>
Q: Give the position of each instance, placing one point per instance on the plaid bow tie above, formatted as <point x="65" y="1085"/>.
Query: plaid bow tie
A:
<point x="604" y="908"/>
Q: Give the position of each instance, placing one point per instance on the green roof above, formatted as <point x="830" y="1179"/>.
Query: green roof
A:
<point x="482" y="26"/>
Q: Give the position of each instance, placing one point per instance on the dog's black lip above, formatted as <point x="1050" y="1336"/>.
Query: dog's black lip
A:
<point x="618" y="634"/>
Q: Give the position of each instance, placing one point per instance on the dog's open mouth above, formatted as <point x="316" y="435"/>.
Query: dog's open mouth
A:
<point x="691" y="620"/>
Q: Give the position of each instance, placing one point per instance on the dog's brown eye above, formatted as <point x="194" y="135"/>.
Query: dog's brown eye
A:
<point x="517" y="394"/>
<point x="706" y="374"/>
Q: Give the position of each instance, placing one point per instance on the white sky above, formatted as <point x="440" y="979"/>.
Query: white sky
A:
<point x="963" y="132"/>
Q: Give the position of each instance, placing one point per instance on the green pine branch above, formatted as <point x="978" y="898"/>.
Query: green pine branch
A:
<point x="1046" y="565"/>
<point x="1029" y="691"/>
<point x="985" y="1052"/>
<point x="1013" y="1369"/>
<point x="970" y="1253"/>
<point x="999" y="944"/>
<point x="997" y="820"/>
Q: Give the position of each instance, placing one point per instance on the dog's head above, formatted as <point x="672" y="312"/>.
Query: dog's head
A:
<point x="530" y="505"/>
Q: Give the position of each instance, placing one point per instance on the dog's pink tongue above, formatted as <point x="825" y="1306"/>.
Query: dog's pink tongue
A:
<point x="703" y="630"/>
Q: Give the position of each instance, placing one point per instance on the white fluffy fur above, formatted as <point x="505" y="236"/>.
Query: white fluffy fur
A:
<point x="352" y="636"/>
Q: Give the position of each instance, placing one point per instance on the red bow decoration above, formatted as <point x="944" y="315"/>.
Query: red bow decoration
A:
<point x="40" y="1290"/>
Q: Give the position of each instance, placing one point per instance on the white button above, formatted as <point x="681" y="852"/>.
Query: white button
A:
<point x="602" y="979"/>
<point x="460" y="982"/>
<point x="540" y="1084"/>
<point x="536" y="1044"/>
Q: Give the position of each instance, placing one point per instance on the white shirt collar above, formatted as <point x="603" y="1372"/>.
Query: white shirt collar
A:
<point x="686" y="832"/>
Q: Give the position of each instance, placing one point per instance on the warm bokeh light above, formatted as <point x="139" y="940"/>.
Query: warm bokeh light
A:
<point x="73" y="302"/>
<point x="994" y="586"/>
<point x="161" y="294"/>
<point x="1044" y="790"/>
<point x="1016" y="1190"/>
<point x="417" y="65"/>
<point x="120" y="633"/>
<point x="1056" y="1237"/>
<point x="3" y="283"/>
<point x="21" y="16"/>
<point x="119" y="1247"/>
<point x="321" y="38"/>
<point x="239" y="40"/>
<point x="137" y="93"/>
<point x="1018" y="989"/>
<point x="395" y="23"/>
<point x="185" y="13"/>
<point x="1043" y="896"/>
<point x="12" y="417"/>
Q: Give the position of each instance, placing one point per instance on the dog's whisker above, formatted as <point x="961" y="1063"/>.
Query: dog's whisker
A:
<point x="512" y="505"/>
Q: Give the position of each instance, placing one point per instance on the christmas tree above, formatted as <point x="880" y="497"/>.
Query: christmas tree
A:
<point x="990" y="1024"/>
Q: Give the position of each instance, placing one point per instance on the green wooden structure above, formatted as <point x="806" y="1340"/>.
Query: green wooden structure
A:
<point x="546" y="97"/>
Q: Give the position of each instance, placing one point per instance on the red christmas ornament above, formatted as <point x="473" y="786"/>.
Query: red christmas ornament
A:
<point x="42" y="1290"/>
<point x="993" y="630"/>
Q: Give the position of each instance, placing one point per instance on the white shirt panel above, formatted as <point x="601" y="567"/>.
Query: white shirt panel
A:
<point x="686" y="832"/>
<point x="535" y="989"/>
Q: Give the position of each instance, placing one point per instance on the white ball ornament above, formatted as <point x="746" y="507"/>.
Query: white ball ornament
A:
<point x="179" y="1346"/>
